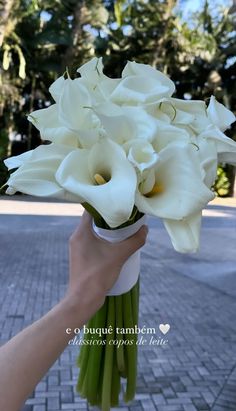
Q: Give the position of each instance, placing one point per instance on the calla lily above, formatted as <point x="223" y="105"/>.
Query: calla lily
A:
<point x="141" y="84"/>
<point x="225" y="147"/>
<point x="56" y="88"/>
<point x="74" y="106"/>
<point x="37" y="175"/>
<point x="193" y="107"/>
<point x="103" y="177"/>
<point x="17" y="161"/>
<point x="44" y="118"/>
<point x="190" y="115"/>
<point x="207" y="155"/>
<point x="167" y="134"/>
<point x="178" y="190"/>
<point x="219" y="115"/>
<point x="170" y="113"/>
<point x="76" y="114"/>
<point x="47" y="122"/>
<point x="126" y="123"/>
<point x="99" y="85"/>
<point x="185" y="234"/>
<point x="92" y="71"/>
<point x="141" y="154"/>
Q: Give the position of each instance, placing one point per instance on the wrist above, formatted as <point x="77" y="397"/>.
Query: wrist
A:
<point x="80" y="305"/>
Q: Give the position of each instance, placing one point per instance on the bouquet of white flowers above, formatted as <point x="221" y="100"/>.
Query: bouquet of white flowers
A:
<point x="125" y="148"/>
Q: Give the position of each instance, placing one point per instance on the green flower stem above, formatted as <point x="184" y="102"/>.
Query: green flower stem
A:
<point x="83" y="358"/>
<point x="95" y="356"/>
<point x="119" y="337"/>
<point x="83" y="391"/>
<point x="130" y="348"/>
<point x="83" y="348"/>
<point x="100" y="382"/>
<point x="135" y="302"/>
<point x="115" y="390"/>
<point x="108" y="361"/>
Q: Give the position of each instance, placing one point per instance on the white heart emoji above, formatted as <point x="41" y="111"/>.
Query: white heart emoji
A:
<point x="164" y="328"/>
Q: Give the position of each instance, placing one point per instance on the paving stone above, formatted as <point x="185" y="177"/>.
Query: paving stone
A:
<point x="53" y="403"/>
<point x="66" y="396"/>
<point x="189" y="407"/>
<point x="159" y="399"/>
<point x="35" y="401"/>
<point x="27" y="407"/>
<point x="42" y="386"/>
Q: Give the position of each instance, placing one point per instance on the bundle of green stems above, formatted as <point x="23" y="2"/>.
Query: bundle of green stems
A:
<point x="109" y="351"/>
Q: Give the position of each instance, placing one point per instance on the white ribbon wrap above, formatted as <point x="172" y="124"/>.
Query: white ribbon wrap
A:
<point x="130" y="270"/>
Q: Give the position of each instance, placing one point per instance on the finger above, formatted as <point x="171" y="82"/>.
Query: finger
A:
<point x="84" y="226"/>
<point x="86" y="219"/>
<point x="136" y="241"/>
<point x="86" y="216"/>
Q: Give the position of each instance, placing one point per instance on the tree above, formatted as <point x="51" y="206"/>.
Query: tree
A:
<point x="138" y="30"/>
<point x="5" y="11"/>
<point x="207" y="64"/>
<point x="40" y="38"/>
<point x="32" y="62"/>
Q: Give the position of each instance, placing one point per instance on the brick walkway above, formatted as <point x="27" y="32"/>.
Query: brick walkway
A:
<point x="195" y="294"/>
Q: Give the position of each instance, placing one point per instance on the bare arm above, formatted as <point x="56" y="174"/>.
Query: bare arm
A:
<point x="94" y="267"/>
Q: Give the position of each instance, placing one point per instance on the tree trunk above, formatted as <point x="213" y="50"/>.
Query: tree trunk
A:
<point x="80" y="15"/>
<point x="5" y="9"/>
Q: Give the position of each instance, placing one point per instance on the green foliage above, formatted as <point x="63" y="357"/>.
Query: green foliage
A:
<point x="3" y="154"/>
<point x="42" y="37"/>
<point x="222" y="184"/>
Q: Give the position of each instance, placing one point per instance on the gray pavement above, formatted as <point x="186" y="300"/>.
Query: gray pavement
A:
<point x="195" y="294"/>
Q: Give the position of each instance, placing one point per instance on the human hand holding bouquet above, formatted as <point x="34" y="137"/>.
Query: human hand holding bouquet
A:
<point x="125" y="148"/>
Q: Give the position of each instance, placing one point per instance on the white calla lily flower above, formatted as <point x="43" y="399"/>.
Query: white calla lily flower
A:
<point x="185" y="234"/>
<point x="37" y="175"/>
<point x="44" y="118"/>
<point x="74" y="106"/>
<point x="167" y="134"/>
<point x="56" y="88"/>
<point x="190" y="115"/>
<point x="225" y="147"/>
<point x="17" y="161"/>
<point x="176" y="115"/>
<point x="47" y="122"/>
<point x="141" y="84"/>
<point x="103" y="177"/>
<point x="146" y="181"/>
<point x="178" y="190"/>
<point x="99" y="85"/>
<point x="166" y="110"/>
<point x="207" y="154"/>
<point x="141" y="154"/>
<point x="92" y="71"/>
<point x="193" y="107"/>
<point x="219" y="115"/>
<point x="123" y="124"/>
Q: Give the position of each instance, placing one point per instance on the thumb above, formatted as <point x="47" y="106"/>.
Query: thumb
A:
<point x="134" y="242"/>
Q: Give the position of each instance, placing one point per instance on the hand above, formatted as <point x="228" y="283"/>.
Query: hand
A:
<point x="95" y="264"/>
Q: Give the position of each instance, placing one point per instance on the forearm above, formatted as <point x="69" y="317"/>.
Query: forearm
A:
<point x="25" y="359"/>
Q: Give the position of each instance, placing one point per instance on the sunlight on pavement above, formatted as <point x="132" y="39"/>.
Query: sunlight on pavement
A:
<point x="40" y="208"/>
<point x="23" y="205"/>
